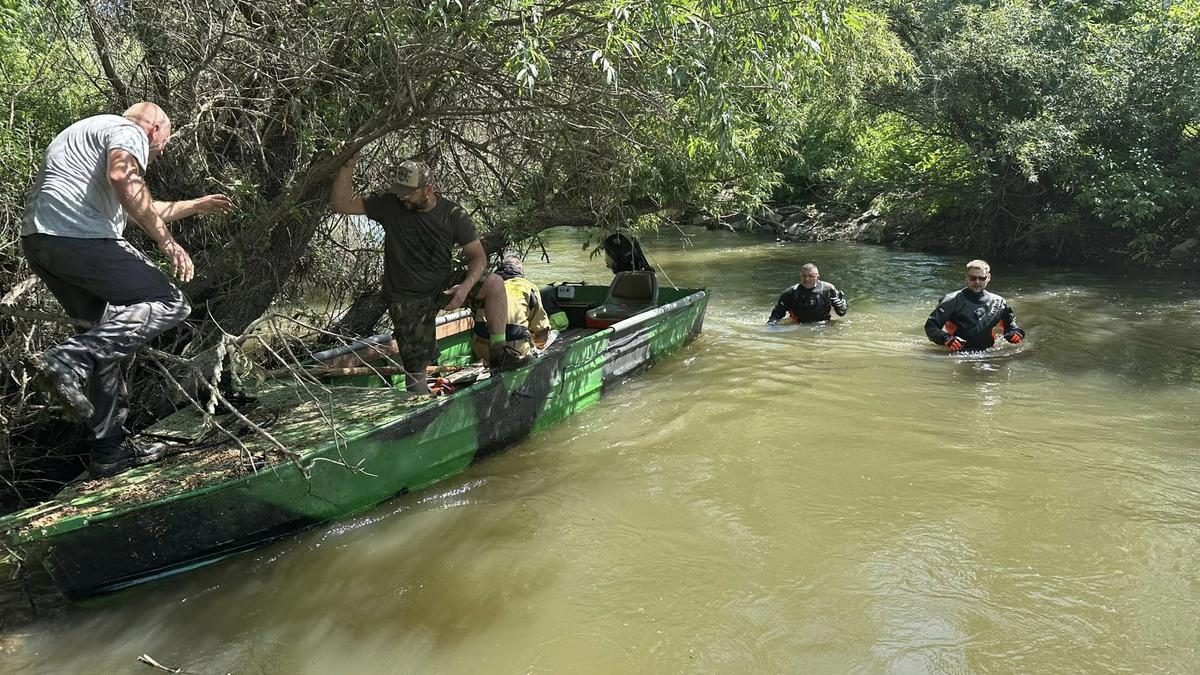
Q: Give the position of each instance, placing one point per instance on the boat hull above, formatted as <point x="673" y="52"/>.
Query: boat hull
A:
<point x="117" y="549"/>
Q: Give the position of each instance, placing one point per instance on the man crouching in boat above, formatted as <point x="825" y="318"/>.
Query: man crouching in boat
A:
<point x="72" y="234"/>
<point x="810" y="300"/>
<point x="965" y="319"/>
<point x="528" y="324"/>
<point x="421" y="229"/>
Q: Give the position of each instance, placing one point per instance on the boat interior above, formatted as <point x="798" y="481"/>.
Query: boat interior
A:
<point x="587" y="308"/>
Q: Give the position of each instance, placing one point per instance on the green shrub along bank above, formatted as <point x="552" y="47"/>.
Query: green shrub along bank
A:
<point x="1059" y="131"/>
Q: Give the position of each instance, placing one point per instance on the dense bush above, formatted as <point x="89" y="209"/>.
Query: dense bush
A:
<point x="1056" y="129"/>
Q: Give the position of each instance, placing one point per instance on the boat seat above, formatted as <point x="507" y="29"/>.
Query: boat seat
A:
<point x="628" y="294"/>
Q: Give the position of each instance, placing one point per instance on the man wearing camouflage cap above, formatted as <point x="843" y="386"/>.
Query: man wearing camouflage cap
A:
<point x="421" y="229"/>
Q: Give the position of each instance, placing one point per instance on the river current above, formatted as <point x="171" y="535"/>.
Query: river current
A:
<point x="842" y="498"/>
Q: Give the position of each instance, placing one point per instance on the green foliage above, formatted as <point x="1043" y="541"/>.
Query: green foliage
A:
<point x="527" y="109"/>
<point x="43" y="92"/>
<point x="893" y="159"/>
<point x="835" y="112"/>
<point x="709" y="89"/>
<point x="1034" y="128"/>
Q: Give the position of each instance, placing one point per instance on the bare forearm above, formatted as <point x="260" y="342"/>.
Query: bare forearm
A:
<point x="343" y="184"/>
<point x="342" y="197"/>
<point x="134" y="195"/>
<point x="475" y="265"/>
<point x="172" y="211"/>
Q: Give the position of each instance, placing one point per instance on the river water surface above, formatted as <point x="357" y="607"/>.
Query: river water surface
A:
<point x="835" y="499"/>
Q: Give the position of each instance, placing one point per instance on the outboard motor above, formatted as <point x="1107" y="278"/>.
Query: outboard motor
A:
<point x="624" y="254"/>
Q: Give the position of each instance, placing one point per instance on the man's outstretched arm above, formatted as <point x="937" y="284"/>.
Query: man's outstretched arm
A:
<point x="172" y="211"/>
<point x="125" y="175"/>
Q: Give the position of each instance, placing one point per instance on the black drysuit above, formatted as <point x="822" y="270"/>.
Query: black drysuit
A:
<point x="807" y="305"/>
<point x="972" y="317"/>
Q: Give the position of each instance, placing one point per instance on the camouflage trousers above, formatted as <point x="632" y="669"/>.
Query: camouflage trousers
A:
<point x="413" y="316"/>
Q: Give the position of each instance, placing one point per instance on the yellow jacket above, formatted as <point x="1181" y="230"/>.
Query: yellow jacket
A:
<point x="527" y="318"/>
<point x="525" y="305"/>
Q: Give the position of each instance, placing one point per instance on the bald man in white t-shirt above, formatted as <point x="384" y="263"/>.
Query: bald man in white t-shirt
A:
<point x="72" y="234"/>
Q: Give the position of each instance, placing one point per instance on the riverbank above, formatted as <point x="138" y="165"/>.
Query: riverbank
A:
<point x="800" y="222"/>
<point x="813" y="223"/>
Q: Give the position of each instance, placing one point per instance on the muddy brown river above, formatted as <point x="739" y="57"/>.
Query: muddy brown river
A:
<point x="832" y="499"/>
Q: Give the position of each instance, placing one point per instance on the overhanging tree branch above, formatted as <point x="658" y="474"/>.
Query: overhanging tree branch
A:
<point x="105" y="55"/>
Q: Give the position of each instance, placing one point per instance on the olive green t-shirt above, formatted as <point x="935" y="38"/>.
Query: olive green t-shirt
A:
<point x="418" y="247"/>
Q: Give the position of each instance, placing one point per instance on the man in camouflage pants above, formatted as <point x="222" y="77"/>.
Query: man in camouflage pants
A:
<point x="421" y="229"/>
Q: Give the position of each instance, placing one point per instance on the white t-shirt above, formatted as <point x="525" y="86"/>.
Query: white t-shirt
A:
<point x="72" y="196"/>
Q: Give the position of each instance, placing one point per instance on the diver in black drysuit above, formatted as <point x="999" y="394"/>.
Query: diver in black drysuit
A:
<point x="971" y="317"/>
<point x="809" y="305"/>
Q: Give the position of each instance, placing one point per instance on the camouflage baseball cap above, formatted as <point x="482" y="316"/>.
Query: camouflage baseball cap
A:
<point x="410" y="177"/>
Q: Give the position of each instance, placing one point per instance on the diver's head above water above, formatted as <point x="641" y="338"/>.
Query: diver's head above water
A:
<point x="979" y="273"/>
<point x="809" y="275"/>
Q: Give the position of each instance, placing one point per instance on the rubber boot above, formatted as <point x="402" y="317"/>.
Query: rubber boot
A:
<point x="65" y="386"/>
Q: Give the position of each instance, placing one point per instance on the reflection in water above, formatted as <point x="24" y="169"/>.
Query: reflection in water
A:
<point x="831" y="498"/>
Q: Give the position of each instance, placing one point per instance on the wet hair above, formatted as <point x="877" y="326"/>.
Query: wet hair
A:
<point x="979" y="265"/>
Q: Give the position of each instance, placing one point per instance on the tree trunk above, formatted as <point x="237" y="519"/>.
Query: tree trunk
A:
<point x="363" y="316"/>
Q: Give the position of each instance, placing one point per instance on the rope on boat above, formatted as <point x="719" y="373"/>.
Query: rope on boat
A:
<point x="659" y="266"/>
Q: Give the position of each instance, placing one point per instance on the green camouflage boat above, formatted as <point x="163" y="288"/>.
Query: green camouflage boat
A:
<point x="358" y="441"/>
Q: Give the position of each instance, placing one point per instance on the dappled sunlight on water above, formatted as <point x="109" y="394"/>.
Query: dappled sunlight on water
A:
<point x="834" y="498"/>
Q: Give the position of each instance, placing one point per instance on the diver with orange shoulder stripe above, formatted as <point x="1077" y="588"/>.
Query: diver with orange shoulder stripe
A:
<point x="968" y="319"/>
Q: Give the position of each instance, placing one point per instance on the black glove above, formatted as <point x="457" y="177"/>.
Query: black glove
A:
<point x="839" y="302"/>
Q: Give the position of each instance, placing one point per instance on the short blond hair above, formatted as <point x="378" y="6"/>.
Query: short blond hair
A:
<point x="979" y="265"/>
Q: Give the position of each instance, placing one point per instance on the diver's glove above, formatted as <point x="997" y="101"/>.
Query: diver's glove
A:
<point x="955" y="343"/>
<point x="839" y="303"/>
<point x="1015" y="336"/>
